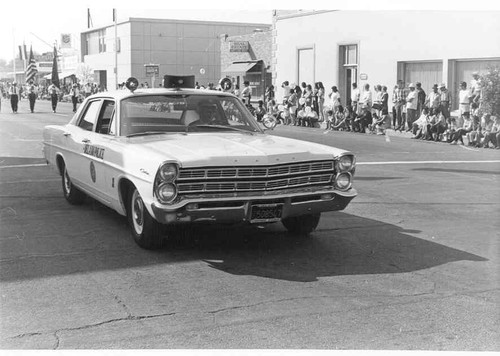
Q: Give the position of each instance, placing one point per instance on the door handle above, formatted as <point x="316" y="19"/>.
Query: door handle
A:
<point x="85" y="140"/>
<point x="66" y="134"/>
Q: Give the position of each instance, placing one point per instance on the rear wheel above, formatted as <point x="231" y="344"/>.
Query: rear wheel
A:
<point x="302" y="225"/>
<point x="72" y="194"/>
<point x="145" y="229"/>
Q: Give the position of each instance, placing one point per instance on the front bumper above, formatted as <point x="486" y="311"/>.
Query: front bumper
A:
<point x="239" y="209"/>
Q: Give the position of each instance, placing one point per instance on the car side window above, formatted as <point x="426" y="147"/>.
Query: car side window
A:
<point x="89" y="117"/>
<point x="105" y="120"/>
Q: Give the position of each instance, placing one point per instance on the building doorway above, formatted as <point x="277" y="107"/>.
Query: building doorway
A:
<point x="348" y="71"/>
<point x="351" y="73"/>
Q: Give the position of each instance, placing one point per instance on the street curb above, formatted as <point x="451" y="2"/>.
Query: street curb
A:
<point x="318" y="130"/>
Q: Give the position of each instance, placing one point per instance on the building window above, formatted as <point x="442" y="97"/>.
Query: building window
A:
<point x="102" y="41"/>
<point x="351" y="55"/>
<point x="87" y="45"/>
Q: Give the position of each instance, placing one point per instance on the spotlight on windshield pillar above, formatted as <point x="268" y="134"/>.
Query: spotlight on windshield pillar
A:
<point x="132" y="84"/>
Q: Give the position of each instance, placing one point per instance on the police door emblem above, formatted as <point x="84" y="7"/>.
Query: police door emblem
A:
<point x="92" y="171"/>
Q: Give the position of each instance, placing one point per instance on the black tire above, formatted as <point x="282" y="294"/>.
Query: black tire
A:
<point x="145" y="230"/>
<point x="302" y="225"/>
<point x="72" y="194"/>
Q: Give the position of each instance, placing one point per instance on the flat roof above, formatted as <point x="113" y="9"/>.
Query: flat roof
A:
<point x="194" y="22"/>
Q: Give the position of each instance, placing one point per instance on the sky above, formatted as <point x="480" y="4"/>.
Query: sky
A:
<point x="48" y="19"/>
<point x="39" y="23"/>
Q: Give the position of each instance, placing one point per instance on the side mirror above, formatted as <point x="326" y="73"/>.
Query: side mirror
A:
<point x="269" y="122"/>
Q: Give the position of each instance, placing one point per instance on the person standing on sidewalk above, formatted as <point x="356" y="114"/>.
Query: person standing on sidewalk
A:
<point x="54" y="95"/>
<point x="355" y="96"/>
<point x="246" y="93"/>
<point x="14" y="97"/>
<point x="32" y="94"/>
<point x="421" y="98"/>
<point x="445" y="101"/>
<point x="433" y="98"/>
<point x="475" y="87"/>
<point x="411" y="107"/>
<point x="87" y="90"/>
<point x="398" y="99"/>
<point x="74" y="95"/>
<point x="464" y="97"/>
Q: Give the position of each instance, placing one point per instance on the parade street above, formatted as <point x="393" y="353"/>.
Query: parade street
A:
<point x="411" y="264"/>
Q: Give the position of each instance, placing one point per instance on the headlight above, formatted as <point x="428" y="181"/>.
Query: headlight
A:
<point x="345" y="163"/>
<point x="166" y="192"/>
<point x="343" y="181"/>
<point x="168" y="172"/>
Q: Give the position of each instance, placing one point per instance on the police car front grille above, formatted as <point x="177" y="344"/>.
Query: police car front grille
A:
<point x="255" y="172"/>
<point x="251" y="179"/>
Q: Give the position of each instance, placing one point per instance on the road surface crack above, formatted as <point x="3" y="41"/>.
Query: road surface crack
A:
<point x="89" y="326"/>
<point x="56" y="346"/>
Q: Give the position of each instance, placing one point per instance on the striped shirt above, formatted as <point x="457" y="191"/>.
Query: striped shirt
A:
<point x="398" y="95"/>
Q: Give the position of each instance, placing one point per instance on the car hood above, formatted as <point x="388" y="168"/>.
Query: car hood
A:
<point x="201" y="149"/>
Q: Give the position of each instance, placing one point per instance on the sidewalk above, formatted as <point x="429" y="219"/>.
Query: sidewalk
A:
<point x="321" y="130"/>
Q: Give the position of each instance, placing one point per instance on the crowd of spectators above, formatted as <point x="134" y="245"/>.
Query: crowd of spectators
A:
<point x="427" y="116"/>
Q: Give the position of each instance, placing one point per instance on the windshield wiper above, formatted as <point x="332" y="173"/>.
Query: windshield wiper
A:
<point x="145" y="133"/>
<point x="225" y="127"/>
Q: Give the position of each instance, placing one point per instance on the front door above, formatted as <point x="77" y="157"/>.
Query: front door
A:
<point x="88" y="149"/>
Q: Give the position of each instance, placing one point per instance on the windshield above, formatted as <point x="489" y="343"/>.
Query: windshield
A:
<point x="153" y="114"/>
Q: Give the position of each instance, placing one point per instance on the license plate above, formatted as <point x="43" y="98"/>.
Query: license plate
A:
<point x="266" y="213"/>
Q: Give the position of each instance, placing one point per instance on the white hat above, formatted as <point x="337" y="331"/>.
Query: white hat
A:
<point x="411" y="85"/>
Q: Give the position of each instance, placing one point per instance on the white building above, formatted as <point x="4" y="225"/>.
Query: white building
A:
<point x="380" y="47"/>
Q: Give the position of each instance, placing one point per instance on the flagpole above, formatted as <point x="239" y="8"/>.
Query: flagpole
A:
<point x="116" y="48"/>
<point x="14" y="58"/>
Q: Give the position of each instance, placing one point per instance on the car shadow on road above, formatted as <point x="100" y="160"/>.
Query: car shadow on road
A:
<point x="361" y="246"/>
<point x="98" y="239"/>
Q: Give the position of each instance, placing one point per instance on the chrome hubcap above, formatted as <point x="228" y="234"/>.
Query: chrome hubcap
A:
<point x="137" y="212"/>
<point x="67" y="182"/>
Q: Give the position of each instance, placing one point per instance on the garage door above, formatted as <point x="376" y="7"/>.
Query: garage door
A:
<point x="464" y="70"/>
<point x="427" y="73"/>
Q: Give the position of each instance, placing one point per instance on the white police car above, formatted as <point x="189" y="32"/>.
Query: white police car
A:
<point x="178" y="155"/>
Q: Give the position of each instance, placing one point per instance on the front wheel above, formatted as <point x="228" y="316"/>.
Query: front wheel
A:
<point x="72" y="194"/>
<point x="302" y="225"/>
<point x="145" y="229"/>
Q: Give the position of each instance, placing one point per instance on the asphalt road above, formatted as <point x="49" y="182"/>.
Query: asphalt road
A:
<point x="411" y="264"/>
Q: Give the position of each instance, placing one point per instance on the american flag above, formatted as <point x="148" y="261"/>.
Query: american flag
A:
<point x="31" y="69"/>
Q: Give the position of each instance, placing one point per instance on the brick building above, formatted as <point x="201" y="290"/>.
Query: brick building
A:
<point x="248" y="57"/>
